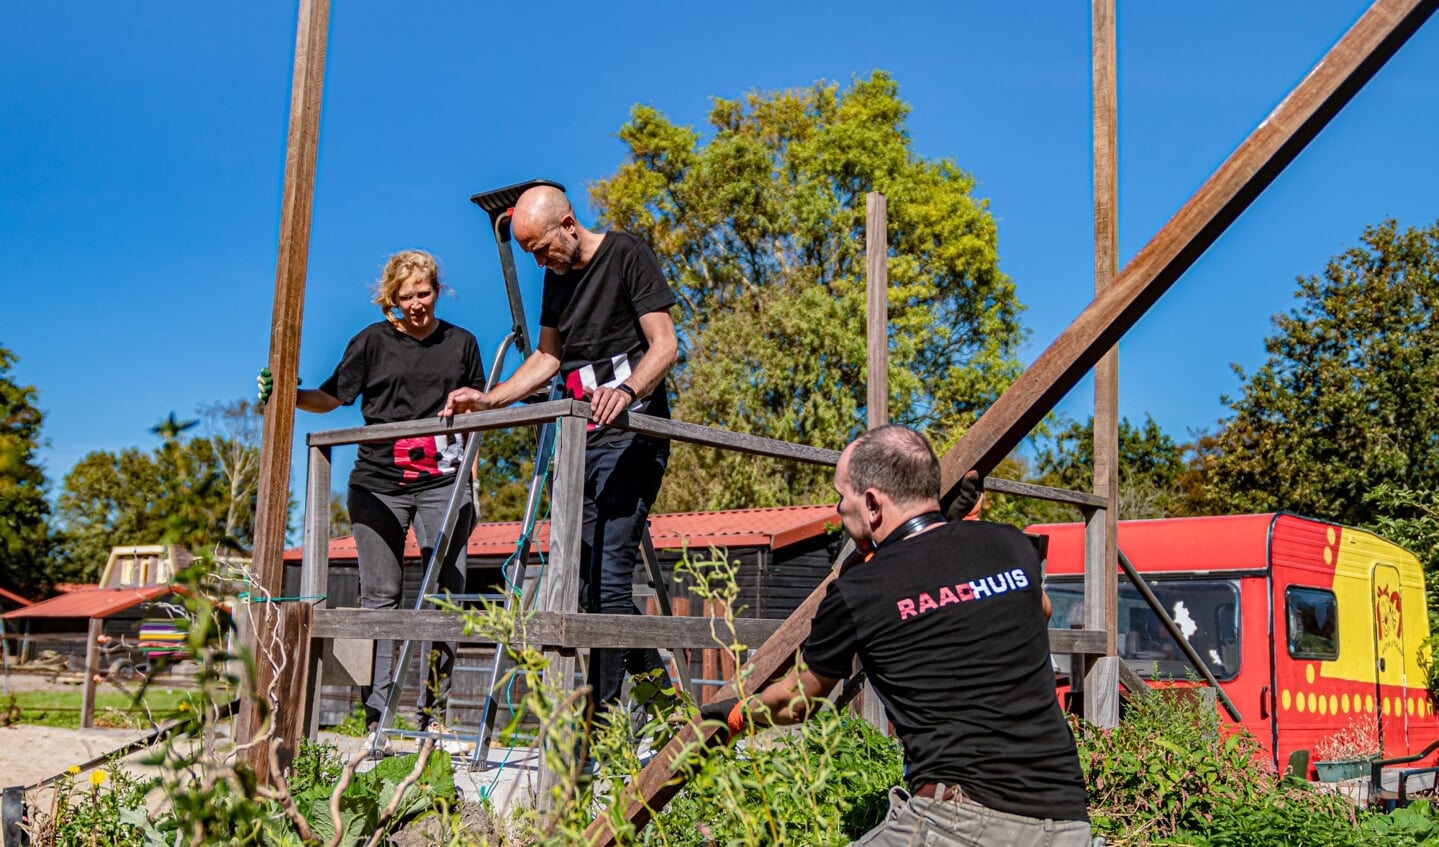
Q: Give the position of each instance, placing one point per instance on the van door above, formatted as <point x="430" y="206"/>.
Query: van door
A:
<point x="1390" y="647"/>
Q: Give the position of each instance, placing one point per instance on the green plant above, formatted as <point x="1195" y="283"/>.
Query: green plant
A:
<point x="1357" y="741"/>
<point x="354" y="724"/>
<point x="1170" y="773"/>
<point x="105" y="806"/>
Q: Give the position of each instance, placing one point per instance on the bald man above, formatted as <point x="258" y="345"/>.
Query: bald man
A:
<point x="951" y="625"/>
<point x="605" y="328"/>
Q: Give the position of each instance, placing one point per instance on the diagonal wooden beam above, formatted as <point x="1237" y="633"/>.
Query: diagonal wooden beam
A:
<point x="1345" y="69"/>
<point x="1276" y="142"/>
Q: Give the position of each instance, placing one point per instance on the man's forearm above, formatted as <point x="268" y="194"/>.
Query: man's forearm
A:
<point x="529" y="377"/>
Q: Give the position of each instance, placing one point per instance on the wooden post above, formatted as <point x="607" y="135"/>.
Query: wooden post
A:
<point x="1345" y="69"/>
<point x="876" y="248"/>
<point x="315" y="575"/>
<point x="560" y="588"/>
<point x="92" y="670"/>
<point x="273" y="493"/>
<point x="876" y="251"/>
<point x="1101" y="562"/>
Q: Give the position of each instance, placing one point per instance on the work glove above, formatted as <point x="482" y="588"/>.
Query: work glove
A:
<point x="970" y="489"/>
<point x="729" y="711"/>
<point x="266" y="383"/>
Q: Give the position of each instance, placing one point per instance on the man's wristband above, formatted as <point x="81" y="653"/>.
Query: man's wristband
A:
<point x="626" y="389"/>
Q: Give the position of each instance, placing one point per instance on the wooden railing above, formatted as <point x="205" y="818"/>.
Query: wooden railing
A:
<point x="556" y="625"/>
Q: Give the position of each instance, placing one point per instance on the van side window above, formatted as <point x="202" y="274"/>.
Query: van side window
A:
<point x="1313" y="623"/>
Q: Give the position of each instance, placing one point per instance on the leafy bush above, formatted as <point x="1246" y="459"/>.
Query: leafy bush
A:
<point x="1168" y="774"/>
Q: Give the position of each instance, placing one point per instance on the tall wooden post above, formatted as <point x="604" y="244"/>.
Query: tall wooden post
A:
<point x="294" y="252"/>
<point x="876" y="254"/>
<point x="876" y="250"/>
<point x="1101" y="702"/>
<point x="560" y="591"/>
<point x="92" y="670"/>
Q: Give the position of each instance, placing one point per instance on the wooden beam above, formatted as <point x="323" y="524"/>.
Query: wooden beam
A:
<point x="537" y="413"/>
<point x="297" y="204"/>
<point x="876" y="252"/>
<point x="92" y="670"/>
<point x="1043" y="492"/>
<point x="560" y="590"/>
<point x="1278" y="139"/>
<point x="1372" y="40"/>
<point x="1101" y="606"/>
<point x="546" y="630"/>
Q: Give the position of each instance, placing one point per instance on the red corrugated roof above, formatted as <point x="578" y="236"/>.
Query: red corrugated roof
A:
<point x="14" y="598"/>
<point x="773" y="528"/>
<point x="90" y="603"/>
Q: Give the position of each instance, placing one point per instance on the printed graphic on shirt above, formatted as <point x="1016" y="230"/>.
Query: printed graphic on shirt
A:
<point x="582" y="381"/>
<point x="962" y="592"/>
<point x="428" y="457"/>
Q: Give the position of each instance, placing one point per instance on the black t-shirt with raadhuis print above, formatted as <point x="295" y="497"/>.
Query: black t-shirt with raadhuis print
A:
<point x="596" y="310"/>
<point x="399" y="378"/>
<point x="950" y="627"/>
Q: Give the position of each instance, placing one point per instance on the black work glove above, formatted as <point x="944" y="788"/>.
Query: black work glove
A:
<point x="970" y="489"/>
<point x="721" y="711"/>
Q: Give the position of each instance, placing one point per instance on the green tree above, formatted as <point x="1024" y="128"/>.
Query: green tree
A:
<point x="1344" y="401"/>
<point x="106" y="499"/>
<point x="760" y="231"/>
<point x="193" y="489"/>
<point x="339" y="516"/>
<point x="234" y="431"/>
<point x="1411" y="520"/>
<point x="1151" y="465"/>
<point x="24" y="512"/>
<point x="502" y="472"/>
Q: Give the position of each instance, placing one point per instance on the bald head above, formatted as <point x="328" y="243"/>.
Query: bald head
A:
<point x="544" y="226"/>
<point x="538" y="209"/>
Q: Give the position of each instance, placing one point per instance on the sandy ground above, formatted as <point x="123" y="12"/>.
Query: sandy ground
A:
<point x="29" y="754"/>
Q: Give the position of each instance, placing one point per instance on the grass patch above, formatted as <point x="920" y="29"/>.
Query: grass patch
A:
<point x="114" y="709"/>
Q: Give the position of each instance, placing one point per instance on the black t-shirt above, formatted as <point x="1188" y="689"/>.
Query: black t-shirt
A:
<point x="597" y="310"/>
<point x="950" y="627"/>
<point x="398" y="378"/>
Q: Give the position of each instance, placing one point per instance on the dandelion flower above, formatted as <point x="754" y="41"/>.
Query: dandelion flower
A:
<point x="72" y="770"/>
<point x="97" y="777"/>
<point x="184" y="707"/>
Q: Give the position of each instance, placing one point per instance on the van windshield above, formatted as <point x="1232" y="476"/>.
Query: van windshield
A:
<point x="1206" y="612"/>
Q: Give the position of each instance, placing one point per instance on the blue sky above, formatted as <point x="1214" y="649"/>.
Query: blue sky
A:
<point x="142" y="156"/>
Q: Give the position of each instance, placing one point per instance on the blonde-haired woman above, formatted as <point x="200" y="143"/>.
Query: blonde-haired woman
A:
<point x="401" y="369"/>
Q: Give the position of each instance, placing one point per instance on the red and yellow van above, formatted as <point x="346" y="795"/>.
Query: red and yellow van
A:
<point x="1307" y="625"/>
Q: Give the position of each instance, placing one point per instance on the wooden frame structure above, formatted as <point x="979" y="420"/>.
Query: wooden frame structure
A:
<point x="1339" y="75"/>
<point x="556" y="626"/>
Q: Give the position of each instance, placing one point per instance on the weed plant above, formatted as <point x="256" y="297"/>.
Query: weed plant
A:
<point x="1170" y="774"/>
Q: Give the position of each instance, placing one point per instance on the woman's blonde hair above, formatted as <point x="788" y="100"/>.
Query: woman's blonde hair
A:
<point x="399" y="268"/>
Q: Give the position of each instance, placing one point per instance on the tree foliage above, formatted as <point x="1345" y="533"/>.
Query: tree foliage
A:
<point x="760" y="231"/>
<point x="24" y="512"/>
<point x="193" y="489"/>
<point x="1344" y="401"/>
<point x="1151" y="469"/>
